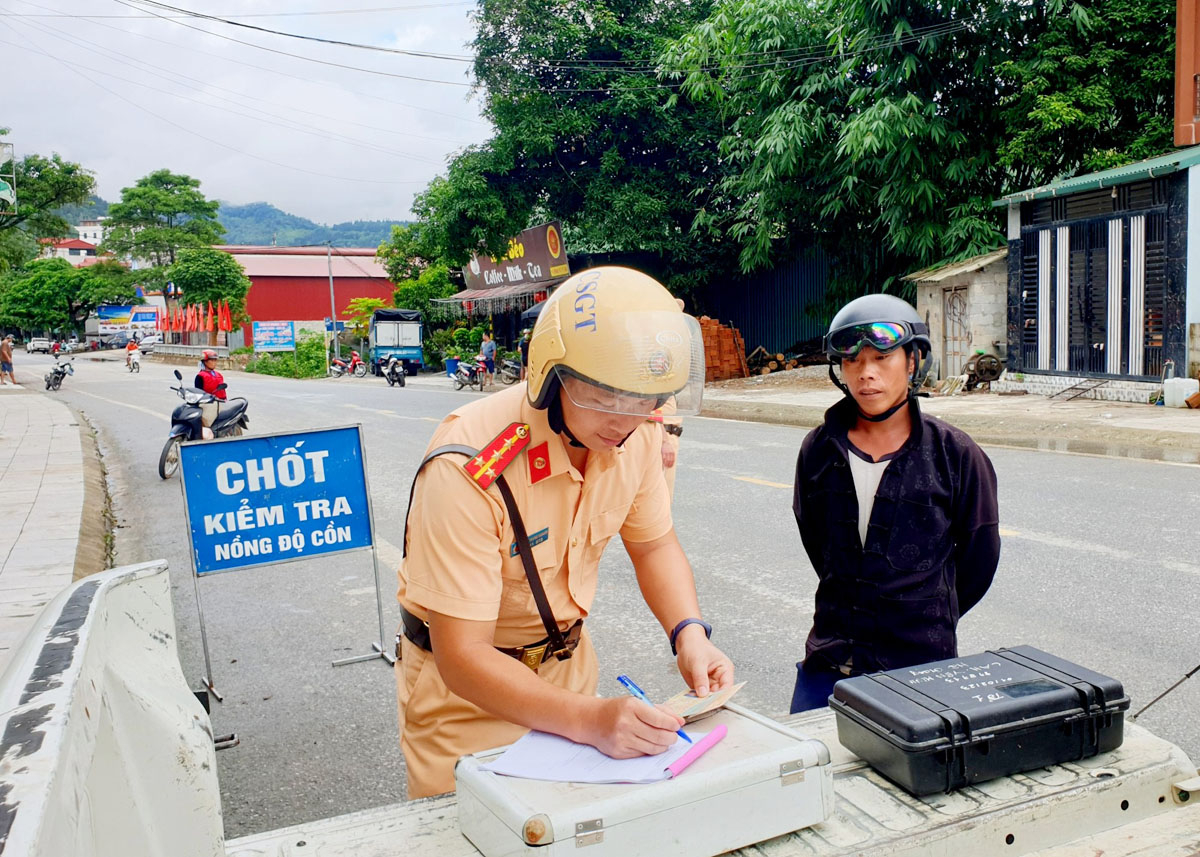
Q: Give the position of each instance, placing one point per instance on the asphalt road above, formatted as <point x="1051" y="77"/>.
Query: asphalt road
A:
<point x="1099" y="566"/>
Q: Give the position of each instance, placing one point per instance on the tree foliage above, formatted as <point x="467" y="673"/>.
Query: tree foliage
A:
<point x="359" y="312"/>
<point x="207" y="275"/>
<point x="883" y="131"/>
<point x="583" y="134"/>
<point x="43" y="185"/>
<point x="50" y="294"/>
<point x="160" y="215"/>
<point x="419" y="294"/>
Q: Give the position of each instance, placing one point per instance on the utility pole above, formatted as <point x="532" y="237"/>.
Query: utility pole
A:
<point x="337" y="347"/>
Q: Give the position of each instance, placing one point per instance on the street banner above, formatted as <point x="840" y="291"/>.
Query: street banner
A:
<point x="269" y="499"/>
<point x="126" y="319"/>
<point x="274" y="336"/>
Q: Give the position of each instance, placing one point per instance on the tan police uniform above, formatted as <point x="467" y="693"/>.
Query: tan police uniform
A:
<point x="463" y="562"/>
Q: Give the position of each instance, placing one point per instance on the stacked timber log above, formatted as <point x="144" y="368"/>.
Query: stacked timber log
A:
<point x="762" y="362"/>
<point x="724" y="351"/>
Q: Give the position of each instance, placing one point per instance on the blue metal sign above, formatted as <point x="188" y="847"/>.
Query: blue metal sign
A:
<point x="269" y="499"/>
<point x="341" y="325"/>
<point x="274" y="335"/>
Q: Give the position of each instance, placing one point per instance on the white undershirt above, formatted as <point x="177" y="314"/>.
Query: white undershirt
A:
<point x="866" y="475"/>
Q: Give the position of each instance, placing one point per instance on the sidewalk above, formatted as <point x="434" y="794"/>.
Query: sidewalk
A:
<point x="41" y="495"/>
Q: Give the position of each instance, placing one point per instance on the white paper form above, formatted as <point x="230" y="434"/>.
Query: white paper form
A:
<point x="542" y="756"/>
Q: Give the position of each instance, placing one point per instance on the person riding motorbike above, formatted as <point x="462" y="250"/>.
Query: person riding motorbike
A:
<point x="131" y="347"/>
<point x="208" y="378"/>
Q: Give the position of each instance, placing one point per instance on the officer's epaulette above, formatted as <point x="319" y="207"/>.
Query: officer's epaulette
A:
<point x="497" y="454"/>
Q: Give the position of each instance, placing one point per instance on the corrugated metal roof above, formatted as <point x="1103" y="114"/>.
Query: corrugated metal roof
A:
<point x="1151" y="168"/>
<point x="310" y="250"/>
<point x="293" y="265"/>
<point x="945" y="272"/>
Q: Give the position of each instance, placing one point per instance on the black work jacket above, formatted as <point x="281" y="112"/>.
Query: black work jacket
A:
<point x="931" y="549"/>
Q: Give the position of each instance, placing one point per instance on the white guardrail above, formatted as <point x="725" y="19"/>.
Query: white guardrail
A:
<point x="192" y="350"/>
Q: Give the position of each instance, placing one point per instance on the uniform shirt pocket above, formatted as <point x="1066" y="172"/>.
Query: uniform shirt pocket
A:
<point x="601" y="528"/>
<point x="516" y="595"/>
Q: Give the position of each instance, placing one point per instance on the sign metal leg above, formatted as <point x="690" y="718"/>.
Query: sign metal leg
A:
<point x="378" y="650"/>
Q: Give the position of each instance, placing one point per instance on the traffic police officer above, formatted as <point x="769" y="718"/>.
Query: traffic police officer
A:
<point x="573" y="447"/>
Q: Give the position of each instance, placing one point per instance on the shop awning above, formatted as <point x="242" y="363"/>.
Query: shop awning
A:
<point x="518" y="296"/>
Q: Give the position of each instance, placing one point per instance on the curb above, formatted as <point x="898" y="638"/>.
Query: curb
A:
<point x="93" y="552"/>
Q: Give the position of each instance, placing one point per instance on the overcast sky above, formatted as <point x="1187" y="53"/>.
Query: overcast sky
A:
<point x="125" y="92"/>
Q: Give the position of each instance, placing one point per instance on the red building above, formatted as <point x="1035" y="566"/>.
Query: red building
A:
<point x="292" y="283"/>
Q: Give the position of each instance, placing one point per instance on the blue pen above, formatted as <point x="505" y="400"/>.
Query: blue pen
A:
<point x="640" y="694"/>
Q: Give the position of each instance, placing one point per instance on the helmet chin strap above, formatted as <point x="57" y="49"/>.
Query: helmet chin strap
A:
<point x="878" y="418"/>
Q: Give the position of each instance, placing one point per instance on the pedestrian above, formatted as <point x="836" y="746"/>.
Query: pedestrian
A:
<point x="897" y="510"/>
<point x="208" y="378"/>
<point x="6" y="360"/>
<point x="672" y="431"/>
<point x="524" y="349"/>
<point x="487" y="349"/>
<point x="568" y="459"/>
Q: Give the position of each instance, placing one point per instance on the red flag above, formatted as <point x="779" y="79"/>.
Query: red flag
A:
<point x="228" y="317"/>
<point x="192" y="317"/>
<point x="210" y="322"/>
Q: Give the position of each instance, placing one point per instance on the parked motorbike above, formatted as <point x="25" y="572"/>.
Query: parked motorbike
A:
<point x="509" y="371"/>
<point x="135" y="361"/>
<point x="58" y="371"/>
<point x="470" y="373"/>
<point x="393" y="370"/>
<point x="355" y="366"/>
<point x="202" y="416"/>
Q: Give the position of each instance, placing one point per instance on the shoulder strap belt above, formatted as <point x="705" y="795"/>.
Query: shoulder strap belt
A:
<point x="558" y="643"/>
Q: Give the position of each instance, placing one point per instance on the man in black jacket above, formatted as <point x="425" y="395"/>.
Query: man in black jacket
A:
<point x="897" y="510"/>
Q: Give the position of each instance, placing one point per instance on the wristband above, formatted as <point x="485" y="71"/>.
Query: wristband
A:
<point x="675" y="633"/>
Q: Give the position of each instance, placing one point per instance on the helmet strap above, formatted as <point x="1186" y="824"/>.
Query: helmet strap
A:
<point x="558" y="423"/>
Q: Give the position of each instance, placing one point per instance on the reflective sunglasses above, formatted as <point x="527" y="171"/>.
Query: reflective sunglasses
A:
<point x="883" y="336"/>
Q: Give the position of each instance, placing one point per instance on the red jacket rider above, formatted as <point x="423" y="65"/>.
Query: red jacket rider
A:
<point x="208" y="378"/>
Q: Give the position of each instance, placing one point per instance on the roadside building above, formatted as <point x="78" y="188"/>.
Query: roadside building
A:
<point x="1104" y="279"/>
<point x="293" y="283"/>
<point x="76" y="251"/>
<point x="965" y="305"/>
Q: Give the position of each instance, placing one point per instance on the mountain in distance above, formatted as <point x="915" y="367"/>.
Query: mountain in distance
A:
<point x="262" y="223"/>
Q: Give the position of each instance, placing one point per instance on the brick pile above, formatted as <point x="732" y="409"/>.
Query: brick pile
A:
<point x="724" y="351"/>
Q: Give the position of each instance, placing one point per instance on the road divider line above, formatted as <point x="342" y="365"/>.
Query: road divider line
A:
<point x="155" y="414"/>
<point x="391" y="414"/>
<point x="754" y="481"/>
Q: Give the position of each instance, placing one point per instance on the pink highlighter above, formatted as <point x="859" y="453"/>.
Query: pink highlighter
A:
<point x="702" y="746"/>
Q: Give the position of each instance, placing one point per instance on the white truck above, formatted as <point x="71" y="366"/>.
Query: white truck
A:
<point x="107" y="753"/>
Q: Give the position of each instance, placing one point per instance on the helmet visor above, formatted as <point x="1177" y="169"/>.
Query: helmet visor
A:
<point x="883" y="336"/>
<point x="646" y="360"/>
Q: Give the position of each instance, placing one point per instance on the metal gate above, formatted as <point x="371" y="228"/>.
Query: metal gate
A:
<point x="956" y="331"/>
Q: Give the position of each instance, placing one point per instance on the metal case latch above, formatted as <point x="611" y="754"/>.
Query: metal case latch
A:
<point x="589" y="832"/>
<point x="791" y="772"/>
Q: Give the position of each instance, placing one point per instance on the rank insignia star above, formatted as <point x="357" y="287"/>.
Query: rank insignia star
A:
<point x="498" y="454"/>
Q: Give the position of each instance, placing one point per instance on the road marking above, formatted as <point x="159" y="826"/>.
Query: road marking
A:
<point x="1004" y="532"/>
<point x="391" y="414"/>
<point x="1132" y="558"/>
<point x="156" y="414"/>
<point x="754" y="481"/>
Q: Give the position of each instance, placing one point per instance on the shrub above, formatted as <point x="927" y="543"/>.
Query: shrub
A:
<point x="308" y="360"/>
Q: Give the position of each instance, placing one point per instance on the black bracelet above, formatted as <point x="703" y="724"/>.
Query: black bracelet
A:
<point x="675" y="633"/>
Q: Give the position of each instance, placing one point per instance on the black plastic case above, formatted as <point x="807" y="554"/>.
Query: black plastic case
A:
<point x="943" y="725"/>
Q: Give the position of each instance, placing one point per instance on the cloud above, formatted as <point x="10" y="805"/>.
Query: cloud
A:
<point x="125" y="96"/>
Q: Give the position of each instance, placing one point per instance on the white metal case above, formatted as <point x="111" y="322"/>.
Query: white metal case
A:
<point x="763" y="780"/>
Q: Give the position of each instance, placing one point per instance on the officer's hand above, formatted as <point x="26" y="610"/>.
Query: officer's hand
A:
<point x="668" y="456"/>
<point x="703" y="666"/>
<point x="626" y="727"/>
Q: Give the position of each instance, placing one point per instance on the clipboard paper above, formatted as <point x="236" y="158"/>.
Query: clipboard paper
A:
<point x="542" y="756"/>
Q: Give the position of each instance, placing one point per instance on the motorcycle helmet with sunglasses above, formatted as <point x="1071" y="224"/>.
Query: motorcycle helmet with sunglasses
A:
<point x="885" y="323"/>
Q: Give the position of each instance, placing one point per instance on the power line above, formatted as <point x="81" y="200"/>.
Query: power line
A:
<point x="167" y="75"/>
<point x="262" y="14"/>
<point x="197" y="134"/>
<point x="278" y="73"/>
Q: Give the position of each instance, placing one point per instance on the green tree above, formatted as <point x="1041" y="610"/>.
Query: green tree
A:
<point x="359" y="312"/>
<point x="419" y="294"/>
<point x="50" y="294"/>
<point x="43" y="185"/>
<point x="160" y="215"/>
<point x="206" y="275"/>
<point x="407" y="251"/>
<point x="879" y="131"/>
<point x="583" y="134"/>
